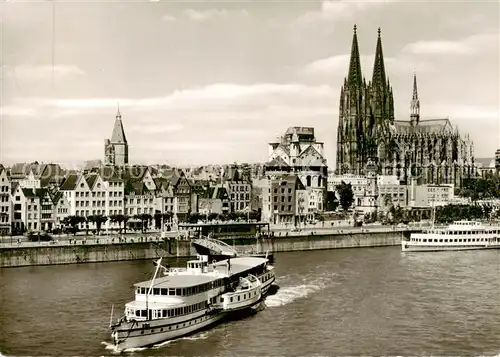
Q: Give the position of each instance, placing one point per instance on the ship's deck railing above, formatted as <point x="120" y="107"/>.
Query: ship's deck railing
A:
<point x="210" y="269"/>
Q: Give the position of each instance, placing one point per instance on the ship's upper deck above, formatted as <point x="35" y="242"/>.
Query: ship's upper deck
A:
<point x="185" y="278"/>
<point x="461" y="225"/>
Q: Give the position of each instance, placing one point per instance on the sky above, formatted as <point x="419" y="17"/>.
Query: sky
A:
<point x="202" y="82"/>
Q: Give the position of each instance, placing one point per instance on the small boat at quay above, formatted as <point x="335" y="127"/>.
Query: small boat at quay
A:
<point x="186" y="300"/>
<point x="460" y="235"/>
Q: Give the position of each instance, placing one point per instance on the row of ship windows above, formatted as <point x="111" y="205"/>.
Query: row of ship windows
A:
<point x="463" y="232"/>
<point x="190" y="291"/>
<point x="239" y="297"/>
<point x="179" y="325"/>
<point x="459" y="240"/>
<point x="182" y="291"/>
<point x="159" y="313"/>
<point x="265" y="277"/>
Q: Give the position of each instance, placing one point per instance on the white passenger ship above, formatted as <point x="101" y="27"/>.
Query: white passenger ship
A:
<point x="186" y="300"/>
<point x="460" y="235"/>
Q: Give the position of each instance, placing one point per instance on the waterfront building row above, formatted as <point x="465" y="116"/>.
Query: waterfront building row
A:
<point x="37" y="198"/>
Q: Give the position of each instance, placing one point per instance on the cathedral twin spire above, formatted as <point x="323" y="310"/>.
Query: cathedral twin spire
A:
<point x="355" y="75"/>
<point x="379" y="78"/>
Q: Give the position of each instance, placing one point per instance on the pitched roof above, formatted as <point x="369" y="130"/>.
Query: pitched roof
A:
<point x="38" y="192"/>
<point x="290" y="179"/>
<point x="23" y="169"/>
<point x="177" y="176"/>
<point x="91" y="179"/>
<point x="51" y="174"/>
<point x="160" y="182"/>
<point x="69" y="182"/>
<point x="277" y="162"/>
<point x="219" y="193"/>
<point x="488" y="162"/>
<point x="56" y="195"/>
<point x="428" y="126"/>
<point x="136" y="188"/>
<point x="311" y="150"/>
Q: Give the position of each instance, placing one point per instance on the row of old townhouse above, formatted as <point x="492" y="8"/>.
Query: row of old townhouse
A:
<point x="39" y="197"/>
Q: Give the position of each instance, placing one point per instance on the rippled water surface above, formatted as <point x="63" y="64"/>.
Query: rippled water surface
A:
<point x="365" y="301"/>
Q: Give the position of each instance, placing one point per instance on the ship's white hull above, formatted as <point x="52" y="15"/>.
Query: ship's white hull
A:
<point x="412" y="247"/>
<point x="168" y="332"/>
<point x="162" y="330"/>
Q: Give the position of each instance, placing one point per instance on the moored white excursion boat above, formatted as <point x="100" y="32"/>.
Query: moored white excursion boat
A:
<point x="186" y="300"/>
<point x="460" y="235"/>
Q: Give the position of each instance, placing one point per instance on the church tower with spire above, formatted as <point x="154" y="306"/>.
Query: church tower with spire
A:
<point x="116" y="148"/>
<point x="351" y="114"/>
<point x="414" y="104"/>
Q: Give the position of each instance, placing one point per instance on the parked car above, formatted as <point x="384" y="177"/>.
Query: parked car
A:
<point x="39" y="237"/>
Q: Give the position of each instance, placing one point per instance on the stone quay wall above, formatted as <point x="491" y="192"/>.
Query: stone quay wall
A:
<point x="61" y="253"/>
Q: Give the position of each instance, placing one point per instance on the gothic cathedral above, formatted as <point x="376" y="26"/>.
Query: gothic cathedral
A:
<point x="116" y="148"/>
<point x="430" y="151"/>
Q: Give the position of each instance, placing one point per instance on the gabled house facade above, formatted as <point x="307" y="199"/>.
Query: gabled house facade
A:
<point x="140" y="191"/>
<point x="182" y="191"/>
<point x="26" y="209"/>
<point x="47" y="210"/>
<point x="239" y="188"/>
<point x="165" y="201"/>
<point x="61" y="207"/>
<point x="5" y="203"/>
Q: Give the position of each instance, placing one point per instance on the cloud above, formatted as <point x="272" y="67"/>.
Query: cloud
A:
<point x="153" y="127"/>
<point x="468" y="46"/>
<point x="468" y="112"/>
<point x="233" y="120"/>
<point x="205" y="15"/>
<point x="339" y="65"/>
<point x="40" y="72"/>
<point x="17" y="111"/>
<point x="339" y="9"/>
<point x="168" y="18"/>
<point x="220" y="96"/>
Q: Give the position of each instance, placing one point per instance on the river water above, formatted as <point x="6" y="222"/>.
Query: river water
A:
<point x="366" y="301"/>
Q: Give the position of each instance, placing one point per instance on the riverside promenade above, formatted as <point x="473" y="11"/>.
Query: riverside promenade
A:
<point x="67" y="249"/>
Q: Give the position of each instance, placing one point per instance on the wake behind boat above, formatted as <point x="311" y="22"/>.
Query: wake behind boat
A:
<point x="186" y="300"/>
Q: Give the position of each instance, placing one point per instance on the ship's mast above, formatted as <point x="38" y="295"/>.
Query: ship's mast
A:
<point x="158" y="265"/>
<point x="433" y="215"/>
